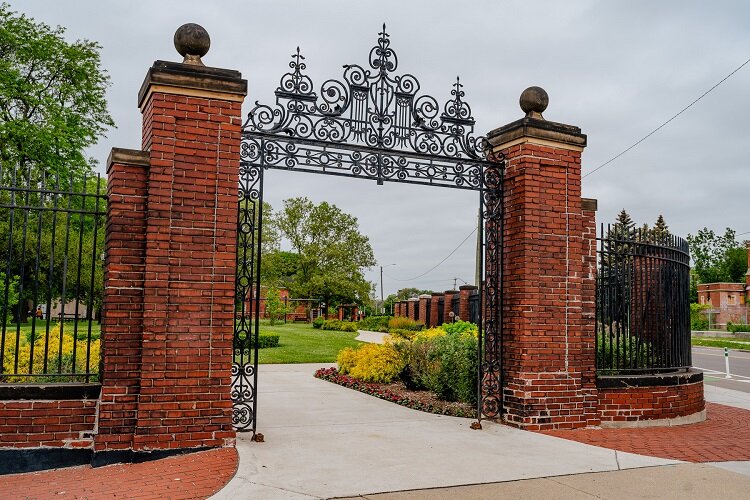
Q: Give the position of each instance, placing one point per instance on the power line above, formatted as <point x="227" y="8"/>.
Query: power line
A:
<point x="438" y="264"/>
<point x="666" y="122"/>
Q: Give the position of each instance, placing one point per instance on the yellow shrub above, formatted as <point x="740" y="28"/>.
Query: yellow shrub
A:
<point x="55" y="361"/>
<point x="371" y="362"/>
<point x="430" y="333"/>
<point x="346" y="359"/>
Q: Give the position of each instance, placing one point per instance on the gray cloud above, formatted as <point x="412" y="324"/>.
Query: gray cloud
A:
<point x="616" y="69"/>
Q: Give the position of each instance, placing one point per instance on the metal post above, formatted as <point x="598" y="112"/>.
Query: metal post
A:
<point x="726" y="363"/>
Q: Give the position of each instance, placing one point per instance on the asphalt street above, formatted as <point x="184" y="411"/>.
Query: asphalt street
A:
<point x="711" y="361"/>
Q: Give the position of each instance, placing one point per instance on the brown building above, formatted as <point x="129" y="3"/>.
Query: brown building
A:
<point x="728" y="301"/>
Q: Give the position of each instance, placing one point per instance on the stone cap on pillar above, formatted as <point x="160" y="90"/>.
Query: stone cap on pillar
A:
<point x="425" y="296"/>
<point x="451" y="292"/>
<point x="191" y="77"/>
<point x="534" y="128"/>
<point x="467" y="287"/>
<point x="128" y="157"/>
<point x="589" y="204"/>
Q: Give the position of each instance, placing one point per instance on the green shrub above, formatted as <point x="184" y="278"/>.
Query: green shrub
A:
<point x="698" y="320"/>
<point x="738" y="328"/>
<point x="445" y="364"/>
<point x="460" y="327"/>
<point x="404" y="323"/>
<point x="318" y="322"/>
<point x="267" y="341"/>
<point x="614" y="354"/>
<point x="338" y="325"/>
<point x="374" y="323"/>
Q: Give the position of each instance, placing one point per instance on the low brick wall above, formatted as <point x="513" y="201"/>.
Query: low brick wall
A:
<point x="633" y="400"/>
<point x="60" y="424"/>
<point x="47" y="426"/>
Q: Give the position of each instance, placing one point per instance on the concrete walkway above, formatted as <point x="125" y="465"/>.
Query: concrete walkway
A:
<point x="371" y="337"/>
<point x="324" y="441"/>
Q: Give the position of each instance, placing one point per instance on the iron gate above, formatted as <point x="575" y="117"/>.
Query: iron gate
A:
<point x="372" y="125"/>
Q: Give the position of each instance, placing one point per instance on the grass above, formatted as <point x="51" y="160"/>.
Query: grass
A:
<point x="40" y="328"/>
<point x="713" y="342"/>
<point x="301" y="343"/>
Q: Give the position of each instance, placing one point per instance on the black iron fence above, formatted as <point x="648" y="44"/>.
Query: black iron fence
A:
<point x="51" y="276"/>
<point x="642" y="302"/>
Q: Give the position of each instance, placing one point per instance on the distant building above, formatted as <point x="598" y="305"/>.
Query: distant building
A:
<point x="728" y="301"/>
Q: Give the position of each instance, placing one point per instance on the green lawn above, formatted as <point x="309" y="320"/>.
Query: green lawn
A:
<point x="40" y="328"/>
<point x="714" y="342"/>
<point x="301" y="343"/>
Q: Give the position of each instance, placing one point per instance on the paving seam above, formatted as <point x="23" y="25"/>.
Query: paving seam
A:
<point x="455" y="486"/>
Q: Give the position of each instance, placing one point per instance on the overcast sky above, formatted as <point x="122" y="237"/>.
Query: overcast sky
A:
<point x="617" y="69"/>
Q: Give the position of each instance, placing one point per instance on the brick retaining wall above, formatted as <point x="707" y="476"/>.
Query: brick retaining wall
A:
<point x="633" y="400"/>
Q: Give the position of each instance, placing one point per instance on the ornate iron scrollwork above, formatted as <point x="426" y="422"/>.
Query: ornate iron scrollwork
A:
<point x="372" y="125"/>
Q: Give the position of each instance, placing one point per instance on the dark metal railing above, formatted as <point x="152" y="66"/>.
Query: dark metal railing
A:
<point x="427" y="315"/>
<point x="474" y="308"/>
<point x="51" y="279"/>
<point x="642" y="302"/>
<point x="455" y="305"/>
<point x="441" y="310"/>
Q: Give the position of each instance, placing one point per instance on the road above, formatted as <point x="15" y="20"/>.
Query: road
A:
<point x="711" y="361"/>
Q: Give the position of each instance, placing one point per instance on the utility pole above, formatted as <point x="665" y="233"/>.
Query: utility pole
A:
<point x="382" y="300"/>
<point x="454" y="283"/>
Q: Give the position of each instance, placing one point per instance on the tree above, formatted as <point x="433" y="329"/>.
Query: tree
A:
<point x="403" y="294"/>
<point x="52" y="100"/>
<point x="717" y="258"/>
<point x="9" y="287"/>
<point x="331" y="253"/>
<point x="275" y="307"/>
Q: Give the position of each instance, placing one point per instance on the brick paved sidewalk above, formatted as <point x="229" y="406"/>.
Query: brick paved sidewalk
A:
<point x="722" y="437"/>
<point x="196" y="475"/>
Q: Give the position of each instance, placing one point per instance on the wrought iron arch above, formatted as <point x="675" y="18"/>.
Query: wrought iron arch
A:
<point x="374" y="124"/>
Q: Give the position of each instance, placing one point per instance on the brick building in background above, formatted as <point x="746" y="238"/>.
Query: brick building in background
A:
<point x="729" y="301"/>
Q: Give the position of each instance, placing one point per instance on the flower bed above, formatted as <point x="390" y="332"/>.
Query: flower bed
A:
<point x="398" y="395"/>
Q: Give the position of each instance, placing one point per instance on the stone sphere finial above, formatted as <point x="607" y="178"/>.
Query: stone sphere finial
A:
<point x="192" y="42"/>
<point x="534" y="101"/>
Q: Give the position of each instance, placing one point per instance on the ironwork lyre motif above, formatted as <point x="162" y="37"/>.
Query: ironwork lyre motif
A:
<point x="373" y="124"/>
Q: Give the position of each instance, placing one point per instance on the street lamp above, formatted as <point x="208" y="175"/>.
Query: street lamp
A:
<point x="382" y="300"/>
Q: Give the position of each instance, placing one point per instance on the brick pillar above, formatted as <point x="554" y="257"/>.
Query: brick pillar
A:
<point x="423" y="309"/>
<point x="548" y="342"/>
<point x="448" y="307"/>
<point x="412" y="305"/>
<point x="465" y="291"/>
<point x="191" y="130"/>
<point x="122" y="316"/>
<point x="435" y="320"/>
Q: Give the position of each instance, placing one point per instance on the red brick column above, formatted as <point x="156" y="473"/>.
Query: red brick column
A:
<point x="588" y="288"/>
<point x="434" y="303"/>
<point x="423" y="309"/>
<point x="465" y="291"/>
<point x="191" y="126"/>
<point x="448" y="306"/>
<point x="547" y="344"/>
<point x="412" y="305"/>
<point x="122" y="316"/>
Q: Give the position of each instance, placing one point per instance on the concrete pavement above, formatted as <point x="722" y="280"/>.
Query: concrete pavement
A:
<point x="326" y="441"/>
<point x="683" y="481"/>
<point x="323" y="441"/>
